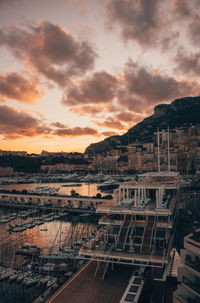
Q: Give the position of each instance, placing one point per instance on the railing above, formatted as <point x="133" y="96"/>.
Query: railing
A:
<point x="111" y="221"/>
<point x="122" y="224"/>
<point x="184" y="299"/>
<point x="109" y="252"/>
<point x="191" y="284"/>
<point x="194" y="265"/>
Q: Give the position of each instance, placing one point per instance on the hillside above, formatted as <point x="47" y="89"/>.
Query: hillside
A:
<point x="180" y="112"/>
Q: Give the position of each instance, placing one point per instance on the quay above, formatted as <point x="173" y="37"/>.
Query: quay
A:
<point x="51" y="202"/>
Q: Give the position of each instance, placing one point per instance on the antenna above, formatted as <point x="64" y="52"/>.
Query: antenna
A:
<point x="158" y="141"/>
<point x="168" y="149"/>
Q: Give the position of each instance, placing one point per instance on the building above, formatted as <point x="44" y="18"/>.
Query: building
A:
<point x="188" y="290"/>
<point x="6" y="171"/>
<point x="140" y="223"/>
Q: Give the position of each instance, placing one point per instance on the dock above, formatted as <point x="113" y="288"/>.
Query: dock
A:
<point x="83" y="287"/>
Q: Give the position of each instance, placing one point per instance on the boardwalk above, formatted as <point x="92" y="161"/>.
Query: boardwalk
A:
<point x="84" y="288"/>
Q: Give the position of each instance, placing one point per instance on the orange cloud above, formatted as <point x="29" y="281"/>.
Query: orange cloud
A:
<point x="17" y="124"/>
<point x="15" y="86"/>
<point x="109" y="134"/>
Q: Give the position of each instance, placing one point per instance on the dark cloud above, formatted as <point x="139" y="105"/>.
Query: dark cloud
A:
<point x="16" y="124"/>
<point x="153" y="87"/>
<point x="187" y="63"/>
<point x="138" y="20"/>
<point x="50" y="50"/>
<point x="182" y="8"/>
<point x="76" y="131"/>
<point x="129" y="101"/>
<point x="194" y="30"/>
<point x="168" y="42"/>
<point x="128" y="117"/>
<point x="87" y="109"/>
<point x="111" y="122"/>
<point x="8" y="2"/>
<point x="16" y="86"/>
<point x="58" y="125"/>
<point x="100" y="88"/>
<point x="129" y="96"/>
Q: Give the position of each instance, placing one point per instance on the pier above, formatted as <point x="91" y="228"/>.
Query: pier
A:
<point x="51" y="202"/>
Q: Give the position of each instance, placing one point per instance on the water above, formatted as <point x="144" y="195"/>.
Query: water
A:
<point x="56" y="234"/>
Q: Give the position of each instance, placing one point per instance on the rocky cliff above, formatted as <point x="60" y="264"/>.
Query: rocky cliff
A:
<point x="180" y="112"/>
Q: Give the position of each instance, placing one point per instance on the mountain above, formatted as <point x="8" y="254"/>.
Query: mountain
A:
<point x="181" y="112"/>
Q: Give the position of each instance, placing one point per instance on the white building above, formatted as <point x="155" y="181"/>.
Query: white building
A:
<point x="188" y="290"/>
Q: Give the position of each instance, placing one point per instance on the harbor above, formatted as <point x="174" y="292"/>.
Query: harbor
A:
<point x="37" y="258"/>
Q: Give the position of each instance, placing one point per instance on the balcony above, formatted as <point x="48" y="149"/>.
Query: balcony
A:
<point x="194" y="265"/>
<point x="191" y="285"/>
<point x="184" y="299"/>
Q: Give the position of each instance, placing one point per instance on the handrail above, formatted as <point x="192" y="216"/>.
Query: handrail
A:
<point x="118" y="254"/>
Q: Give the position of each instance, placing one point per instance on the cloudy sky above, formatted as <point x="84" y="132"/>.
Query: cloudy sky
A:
<point x="73" y="72"/>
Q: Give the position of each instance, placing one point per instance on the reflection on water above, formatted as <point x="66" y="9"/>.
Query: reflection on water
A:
<point x="86" y="189"/>
<point x="53" y="235"/>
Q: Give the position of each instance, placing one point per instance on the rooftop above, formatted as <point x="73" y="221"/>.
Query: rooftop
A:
<point x="83" y="287"/>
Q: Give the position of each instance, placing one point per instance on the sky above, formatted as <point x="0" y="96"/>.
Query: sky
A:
<point x="74" y="72"/>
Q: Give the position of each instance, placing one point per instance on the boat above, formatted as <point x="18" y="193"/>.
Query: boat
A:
<point x="47" y="268"/>
<point x="48" y="219"/>
<point x="39" y="222"/>
<point x="51" y="281"/>
<point x="24" y="214"/>
<point x="6" y="273"/>
<point x="5" y="220"/>
<point x="88" y="179"/>
<point x="28" y="249"/>
<point x="30" y="281"/>
<point x="58" y="256"/>
<point x="43" y="281"/>
<point x="70" y="185"/>
<point x="19" y="228"/>
<point x="14" y="276"/>
<point x="84" y="215"/>
<point x="44" y="190"/>
<point x="23" y="275"/>
<point x="30" y="224"/>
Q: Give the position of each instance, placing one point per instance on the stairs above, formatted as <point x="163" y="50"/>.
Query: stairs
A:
<point x="101" y="270"/>
<point x="123" y="234"/>
<point x="146" y="245"/>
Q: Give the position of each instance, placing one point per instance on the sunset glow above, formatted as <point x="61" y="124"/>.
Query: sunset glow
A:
<point x="73" y="72"/>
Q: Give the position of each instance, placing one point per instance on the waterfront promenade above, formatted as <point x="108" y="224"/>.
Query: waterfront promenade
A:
<point x="50" y="201"/>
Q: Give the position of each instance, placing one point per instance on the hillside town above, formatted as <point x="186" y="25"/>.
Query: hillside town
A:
<point x="137" y="157"/>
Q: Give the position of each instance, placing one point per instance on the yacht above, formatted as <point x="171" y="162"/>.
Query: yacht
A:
<point x="58" y="256"/>
<point x="28" y="249"/>
<point x="45" y="190"/>
<point x="51" y="281"/>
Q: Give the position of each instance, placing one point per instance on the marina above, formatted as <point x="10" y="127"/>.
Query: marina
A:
<point x="23" y="274"/>
<point x="133" y="239"/>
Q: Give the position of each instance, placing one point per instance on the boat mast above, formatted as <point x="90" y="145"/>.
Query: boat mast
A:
<point x="168" y="145"/>
<point x="158" y="142"/>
